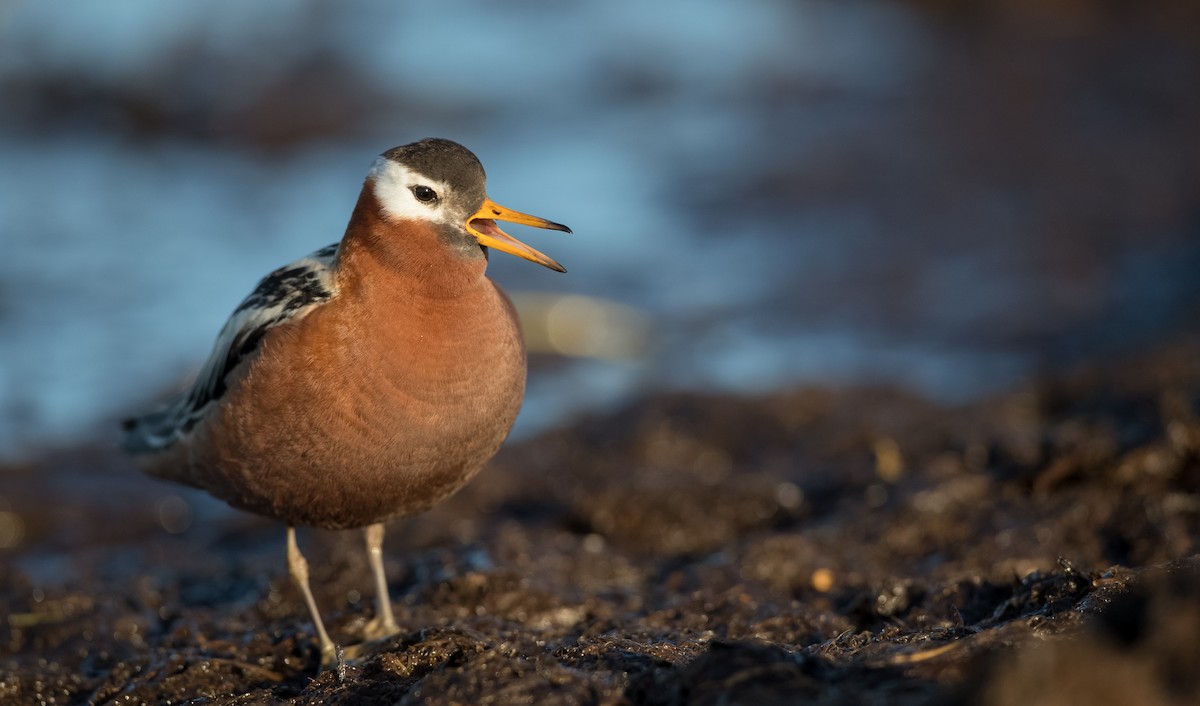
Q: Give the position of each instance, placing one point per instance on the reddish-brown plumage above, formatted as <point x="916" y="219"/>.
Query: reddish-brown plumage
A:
<point x="378" y="403"/>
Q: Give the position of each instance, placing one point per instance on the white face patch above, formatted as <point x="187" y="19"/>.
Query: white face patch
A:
<point x="394" y="186"/>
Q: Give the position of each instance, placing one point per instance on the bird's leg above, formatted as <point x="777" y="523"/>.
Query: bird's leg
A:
<point x="384" y="624"/>
<point x="298" y="568"/>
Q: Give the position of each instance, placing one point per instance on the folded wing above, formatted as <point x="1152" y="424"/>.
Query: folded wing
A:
<point x="285" y="295"/>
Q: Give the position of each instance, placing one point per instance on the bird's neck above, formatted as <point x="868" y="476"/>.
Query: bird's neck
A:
<point x="409" y="255"/>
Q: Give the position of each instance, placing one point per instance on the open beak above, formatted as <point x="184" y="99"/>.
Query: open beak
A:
<point x="483" y="226"/>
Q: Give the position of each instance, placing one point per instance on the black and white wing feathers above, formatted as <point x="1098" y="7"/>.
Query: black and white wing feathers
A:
<point x="286" y="294"/>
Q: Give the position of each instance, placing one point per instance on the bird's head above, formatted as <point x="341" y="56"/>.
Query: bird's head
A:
<point x="441" y="183"/>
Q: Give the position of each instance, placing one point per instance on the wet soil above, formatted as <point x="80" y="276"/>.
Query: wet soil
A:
<point x="814" y="546"/>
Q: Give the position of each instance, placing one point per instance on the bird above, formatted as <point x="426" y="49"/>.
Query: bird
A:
<point x="366" y="381"/>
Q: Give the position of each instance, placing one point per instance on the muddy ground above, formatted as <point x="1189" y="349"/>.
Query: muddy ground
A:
<point x="818" y="546"/>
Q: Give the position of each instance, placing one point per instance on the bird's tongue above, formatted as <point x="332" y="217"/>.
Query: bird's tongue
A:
<point x="488" y="227"/>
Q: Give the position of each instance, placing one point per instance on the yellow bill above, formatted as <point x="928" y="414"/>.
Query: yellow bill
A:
<point x="483" y="226"/>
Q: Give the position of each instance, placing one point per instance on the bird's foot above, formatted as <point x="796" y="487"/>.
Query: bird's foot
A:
<point x="333" y="658"/>
<point x="356" y="654"/>
<point x="337" y="658"/>
<point x="380" y="628"/>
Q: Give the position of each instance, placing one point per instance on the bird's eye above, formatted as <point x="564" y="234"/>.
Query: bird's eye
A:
<point x="424" y="194"/>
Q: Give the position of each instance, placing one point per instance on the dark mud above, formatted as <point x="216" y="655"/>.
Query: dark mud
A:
<point x="817" y="546"/>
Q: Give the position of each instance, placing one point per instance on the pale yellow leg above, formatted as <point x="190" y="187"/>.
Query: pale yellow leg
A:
<point x="298" y="568"/>
<point x="384" y="624"/>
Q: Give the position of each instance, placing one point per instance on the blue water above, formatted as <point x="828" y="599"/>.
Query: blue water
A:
<point x="631" y="123"/>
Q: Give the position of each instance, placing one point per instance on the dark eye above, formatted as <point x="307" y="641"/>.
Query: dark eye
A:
<point x="424" y="194"/>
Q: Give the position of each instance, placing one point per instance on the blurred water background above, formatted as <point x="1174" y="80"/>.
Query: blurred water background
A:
<point x="945" y="196"/>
